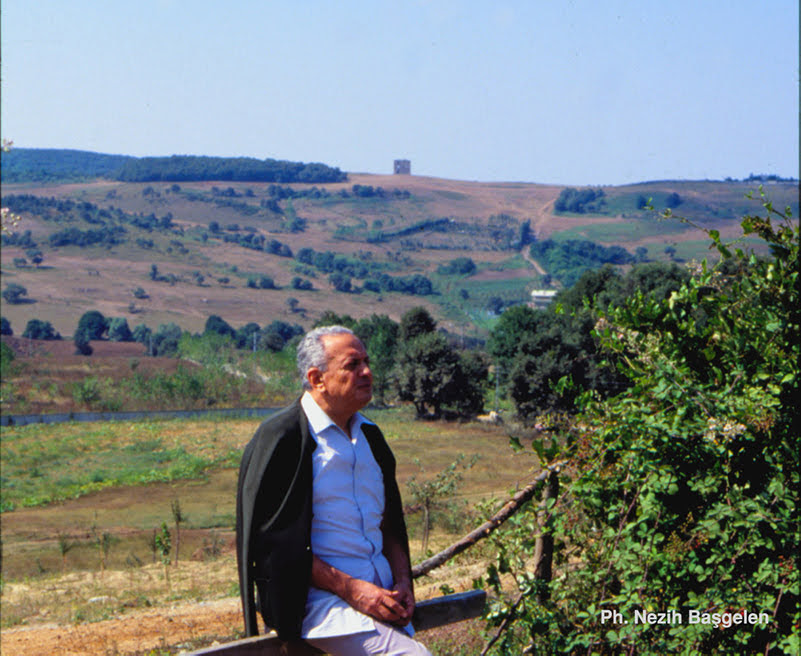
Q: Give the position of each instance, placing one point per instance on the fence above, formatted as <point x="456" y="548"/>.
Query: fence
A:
<point x="439" y="611"/>
<point x="427" y="615"/>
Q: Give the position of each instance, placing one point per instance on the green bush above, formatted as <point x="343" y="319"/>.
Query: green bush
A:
<point x="6" y="359"/>
<point x="682" y="492"/>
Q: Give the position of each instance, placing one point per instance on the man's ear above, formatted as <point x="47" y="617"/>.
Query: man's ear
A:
<point x="315" y="378"/>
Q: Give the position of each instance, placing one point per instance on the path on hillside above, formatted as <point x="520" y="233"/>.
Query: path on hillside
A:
<point x="543" y="216"/>
<point x="527" y="257"/>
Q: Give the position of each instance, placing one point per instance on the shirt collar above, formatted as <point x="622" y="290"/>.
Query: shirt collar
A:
<point x="320" y="421"/>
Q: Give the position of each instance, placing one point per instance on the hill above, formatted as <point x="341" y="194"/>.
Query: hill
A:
<point x="158" y="252"/>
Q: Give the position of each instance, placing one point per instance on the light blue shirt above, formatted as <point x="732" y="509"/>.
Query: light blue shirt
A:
<point x="347" y="509"/>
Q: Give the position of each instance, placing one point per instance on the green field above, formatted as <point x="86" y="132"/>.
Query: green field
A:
<point x="58" y="477"/>
<point x="623" y="231"/>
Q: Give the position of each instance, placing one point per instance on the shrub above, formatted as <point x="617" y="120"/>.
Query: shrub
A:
<point x="37" y="329"/>
<point x="13" y="293"/>
<point x="684" y="490"/>
<point x="461" y="266"/>
<point x="118" y="330"/>
<point x="92" y="324"/>
<point x="82" y="345"/>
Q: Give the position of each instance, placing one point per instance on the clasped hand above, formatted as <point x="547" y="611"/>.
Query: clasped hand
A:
<point x="394" y="606"/>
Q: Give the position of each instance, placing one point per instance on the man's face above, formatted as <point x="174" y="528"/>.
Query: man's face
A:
<point x="347" y="380"/>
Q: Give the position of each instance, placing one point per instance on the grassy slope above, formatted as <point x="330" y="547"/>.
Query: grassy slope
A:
<point x="73" y="280"/>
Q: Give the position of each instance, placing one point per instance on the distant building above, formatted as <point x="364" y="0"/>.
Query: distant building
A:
<point x="402" y="167"/>
<point x="541" y="298"/>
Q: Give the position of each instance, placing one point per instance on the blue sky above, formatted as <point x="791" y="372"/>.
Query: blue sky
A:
<point x="571" y="92"/>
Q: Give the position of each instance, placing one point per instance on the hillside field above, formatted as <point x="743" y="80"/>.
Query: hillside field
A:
<point x="55" y="573"/>
<point x="396" y="225"/>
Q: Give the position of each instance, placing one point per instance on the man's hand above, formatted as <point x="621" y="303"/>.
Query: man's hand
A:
<point x="394" y="606"/>
<point x="390" y="606"/>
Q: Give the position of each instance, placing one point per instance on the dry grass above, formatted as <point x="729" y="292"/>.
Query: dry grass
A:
<point x="56" y="603"/>
<point x="72" y="280"/>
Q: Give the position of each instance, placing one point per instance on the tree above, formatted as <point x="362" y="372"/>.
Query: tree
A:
<point x="82" y="345"/>
<point x="548" y="357"/>
<point x="245" y="335"/>
<point x="495" y="305"/>
<point x="425" y="373"/>
<point x="142" y="334"/>
<point x="265" y="282"/>
<point x="505" y="336"/>
<point x="301" y="283"/>
<point x="65" y="545"/>
<point x="92" y="325"/>
<point x="13" y="293"/>
<point x="331" y="318"/>
<point x="37" y="329"/>
<point x="5" y="327"/>
<point x="217" y="325"/>
<point x="118" y="330"/>
<point x="673" y="200"/>
<point x="35" y="256"/>
<point x="430" y="493"/>
<point x="276" y="335"/>
<point x="415" y="322"/>
<point x="461" y="266"/>
<point x="340" y="282"/>
<point x="163" y="545"/>
<point x="435" y="378"/>
<point x="580" y="200"/>
<point x="164" y="342"/>
<point x="178" y="517"/>
<point x="471" y="379"/>
<point x="379" y="334"/>
<point x="431" y="374"/>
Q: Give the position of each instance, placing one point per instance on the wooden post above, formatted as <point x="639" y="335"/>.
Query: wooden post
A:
<point x="543" y="547"/>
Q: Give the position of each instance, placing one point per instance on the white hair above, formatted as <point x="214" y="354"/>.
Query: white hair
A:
<point x="311" y="350"/>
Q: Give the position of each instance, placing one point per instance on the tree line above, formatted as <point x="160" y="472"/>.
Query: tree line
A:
<point x="541" y="359"/>
<point x="341" y="268"/>
<point x="38" y="165"/>
<point x="566" y="260"/>
<point x="501" y="232"/>
<point x="110" y="222"/>
<point x="580" y="201"/>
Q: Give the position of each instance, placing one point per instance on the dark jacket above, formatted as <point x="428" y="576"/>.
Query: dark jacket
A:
<point x="273" y="518"/>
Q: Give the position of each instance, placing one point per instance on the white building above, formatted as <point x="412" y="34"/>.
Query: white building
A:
<point x="541" y="298"/>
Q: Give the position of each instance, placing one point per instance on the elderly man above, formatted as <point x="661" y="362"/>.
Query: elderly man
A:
<point x="320" y="528"/>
